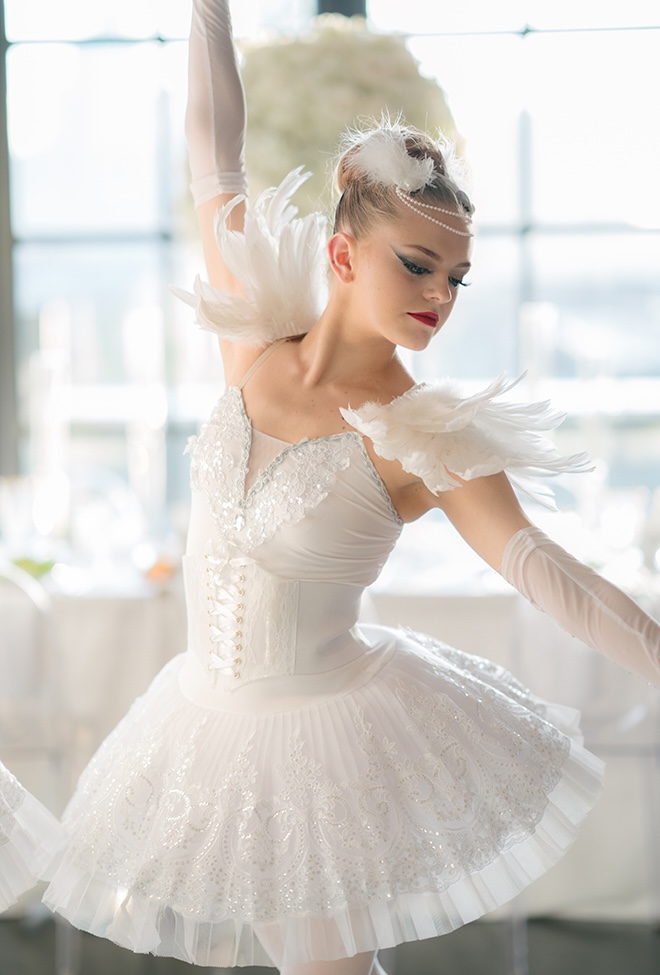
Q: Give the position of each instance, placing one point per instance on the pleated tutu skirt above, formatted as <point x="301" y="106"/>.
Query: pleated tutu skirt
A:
<point x="30" y="839"/>
<point x="416" y="801"/>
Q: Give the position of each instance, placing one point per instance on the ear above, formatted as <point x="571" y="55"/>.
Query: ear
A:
<point x="340" y="253"/>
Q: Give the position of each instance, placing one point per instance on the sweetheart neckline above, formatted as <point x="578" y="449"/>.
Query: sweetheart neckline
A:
<point x="291" y="447"/>
<point x="287" y="443"/>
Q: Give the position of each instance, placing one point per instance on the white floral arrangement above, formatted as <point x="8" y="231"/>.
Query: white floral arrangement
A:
<point x="304" y="90"/>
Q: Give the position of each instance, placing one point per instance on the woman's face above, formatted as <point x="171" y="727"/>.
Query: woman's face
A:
<point x="406" y="276"/>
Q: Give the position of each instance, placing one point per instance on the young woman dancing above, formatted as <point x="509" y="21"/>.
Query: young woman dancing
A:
<point x="299" y="789"/>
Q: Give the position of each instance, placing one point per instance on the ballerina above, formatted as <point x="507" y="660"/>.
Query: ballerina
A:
<point x="300" y="789"/>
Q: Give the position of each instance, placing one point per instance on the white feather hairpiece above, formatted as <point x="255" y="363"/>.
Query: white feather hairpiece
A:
<point x="382" y="156"/>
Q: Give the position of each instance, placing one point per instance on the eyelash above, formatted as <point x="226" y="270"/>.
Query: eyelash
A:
<point x="418" y="270"/>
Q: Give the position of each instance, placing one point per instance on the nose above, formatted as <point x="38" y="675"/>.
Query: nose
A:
<point x="439" y="290"/>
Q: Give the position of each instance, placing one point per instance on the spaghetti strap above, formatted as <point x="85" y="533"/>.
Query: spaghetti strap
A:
<point x="259" y="360"/>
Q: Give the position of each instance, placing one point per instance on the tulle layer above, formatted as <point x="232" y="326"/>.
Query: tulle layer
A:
<point x="30" y="839"/>
<point x="400" y="810"/>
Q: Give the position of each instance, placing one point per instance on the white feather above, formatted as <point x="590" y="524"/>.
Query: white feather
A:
<point x="279" y="260"/>
<point x="382" y="157"/>
<point x="435" y="433"/>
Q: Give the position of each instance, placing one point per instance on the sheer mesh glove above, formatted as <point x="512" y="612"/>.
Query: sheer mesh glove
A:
<point x="582" y="602"/>
<point x="215" y="111"/>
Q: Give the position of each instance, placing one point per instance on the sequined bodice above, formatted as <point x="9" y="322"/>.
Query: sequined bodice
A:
<point x="274" y="574"/>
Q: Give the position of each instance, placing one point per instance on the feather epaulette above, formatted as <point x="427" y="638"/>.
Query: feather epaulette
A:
<point x="438" y="434"/>
<point x="278" y="258"/>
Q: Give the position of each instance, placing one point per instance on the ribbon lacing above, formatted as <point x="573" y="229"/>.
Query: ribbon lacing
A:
<point x="226" y="587"/>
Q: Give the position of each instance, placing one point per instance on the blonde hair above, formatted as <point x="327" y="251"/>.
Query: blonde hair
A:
<point x="363" y="198"/>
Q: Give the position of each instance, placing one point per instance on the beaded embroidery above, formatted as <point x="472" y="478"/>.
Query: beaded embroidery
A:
<point x="282" y="493"/>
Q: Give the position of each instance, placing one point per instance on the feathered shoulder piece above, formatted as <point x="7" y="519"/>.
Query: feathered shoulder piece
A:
<point x="435" y="433"/>
<point x="279" y="260"/>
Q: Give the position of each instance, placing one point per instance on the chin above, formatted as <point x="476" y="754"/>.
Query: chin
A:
<point x="418" y="343"/>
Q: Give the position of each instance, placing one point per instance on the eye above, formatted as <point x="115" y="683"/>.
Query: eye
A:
<point x="454" y="282"/>
<point x="412" y="267"/>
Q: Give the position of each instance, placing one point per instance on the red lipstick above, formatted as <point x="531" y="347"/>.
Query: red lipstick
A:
<point x="425" y="317"/>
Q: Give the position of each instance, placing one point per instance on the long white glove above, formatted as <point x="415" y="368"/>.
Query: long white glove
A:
<point x="582" y="602"/>
<point x="215" y="111"/>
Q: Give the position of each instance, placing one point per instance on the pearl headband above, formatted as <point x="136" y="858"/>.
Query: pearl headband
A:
<point x="417" y="206"/>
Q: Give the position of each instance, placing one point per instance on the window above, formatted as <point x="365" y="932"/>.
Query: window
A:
<point x="556" y="104"/>
<point x="111" y="377"/>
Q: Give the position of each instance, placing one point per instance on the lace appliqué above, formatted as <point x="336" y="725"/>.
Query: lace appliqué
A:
<point x="297" y="480"/>
<point x="474" y="674"/>
<point x="12" y="795"/>
<point x="406" y="791"/>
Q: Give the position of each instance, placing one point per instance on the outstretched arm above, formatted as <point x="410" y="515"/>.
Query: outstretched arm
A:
<point x="487" y="514"/>
<point x="583" y="602"/>
<point x="450" y="443"/>
<point x="215" y="128"/>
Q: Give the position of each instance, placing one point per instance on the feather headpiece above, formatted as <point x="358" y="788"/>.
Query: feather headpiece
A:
<point x="382" y="156"/>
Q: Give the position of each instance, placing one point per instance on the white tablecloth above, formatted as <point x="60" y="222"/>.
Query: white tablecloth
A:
<point x="107" y="647"/>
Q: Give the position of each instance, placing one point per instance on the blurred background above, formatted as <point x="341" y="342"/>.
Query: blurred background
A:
<point x="104" y="376"/>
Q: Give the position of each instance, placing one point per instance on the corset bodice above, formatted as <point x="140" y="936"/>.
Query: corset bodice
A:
<point x="274" y="574"/>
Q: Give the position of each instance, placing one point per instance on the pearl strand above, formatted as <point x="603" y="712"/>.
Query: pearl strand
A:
<point x="416" y="206"/>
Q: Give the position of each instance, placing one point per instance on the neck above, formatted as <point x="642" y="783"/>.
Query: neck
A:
<point x="338" y="350"/>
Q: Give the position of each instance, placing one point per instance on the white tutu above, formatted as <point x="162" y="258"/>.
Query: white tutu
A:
<point x="413" y="803"/>
<point x="30" y="839"/>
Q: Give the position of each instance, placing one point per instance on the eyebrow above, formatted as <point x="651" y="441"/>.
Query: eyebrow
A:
<point x="430" y="253"/>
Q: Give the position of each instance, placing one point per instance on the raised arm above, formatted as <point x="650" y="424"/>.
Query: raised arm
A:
<point x="215" y="128"/>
